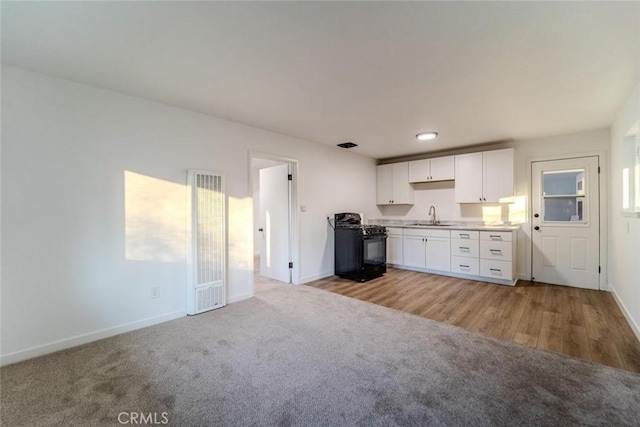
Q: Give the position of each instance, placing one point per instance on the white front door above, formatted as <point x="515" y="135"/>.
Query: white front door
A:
<point x="565" y="204"/>
<point x="274" y="223"/>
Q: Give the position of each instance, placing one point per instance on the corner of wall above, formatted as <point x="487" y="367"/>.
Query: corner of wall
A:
<point x="634" y="326"/>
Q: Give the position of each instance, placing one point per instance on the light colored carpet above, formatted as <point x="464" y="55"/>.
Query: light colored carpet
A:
<point x="302" y="356"/>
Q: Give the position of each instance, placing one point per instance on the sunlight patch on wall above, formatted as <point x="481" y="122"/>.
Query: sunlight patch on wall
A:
<point x="518" y="210"/>
<point x="625" y="189"/>
<point x="155" y="223"/>
<point x="241" y="232"/>
<point x="492" y="214"/>
<point x="267" y="233"/>
<point x="631" y="169"/>
<point x="637" y="184"/>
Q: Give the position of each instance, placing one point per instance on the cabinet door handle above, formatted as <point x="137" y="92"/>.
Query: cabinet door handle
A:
<point x="496" y="271"/>
<point x="480" y="198"/>
<point x="464" y="249"/>
<point x="496" y="251"/>
<point x="494" y="237"/>
<point x="464" y="236"/>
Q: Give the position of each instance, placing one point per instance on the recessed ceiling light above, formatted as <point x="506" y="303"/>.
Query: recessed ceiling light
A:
<point x="425" y="136"/>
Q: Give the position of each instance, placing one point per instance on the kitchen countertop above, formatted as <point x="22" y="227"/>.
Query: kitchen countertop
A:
<point x="445" y="225"/>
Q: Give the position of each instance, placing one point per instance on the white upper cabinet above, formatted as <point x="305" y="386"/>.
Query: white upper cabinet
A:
<point x="437" y="169"/>
<point x="498" y="174"/>
<point x="385" y="184"/>
<point x="393" y="184"/>
<point x="469" y="171"/>
<point x="484" y="177"/>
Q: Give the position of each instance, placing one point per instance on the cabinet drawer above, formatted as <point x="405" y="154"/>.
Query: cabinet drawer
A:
<point x="495" y="269"/>
<point x="465" y="265"/>
<point x="496" y="236"/>
<point x="426" y="232"/>
<point x="465" y="248"/>
<point x="495" y="250"/>
<point x="465" y="234"/>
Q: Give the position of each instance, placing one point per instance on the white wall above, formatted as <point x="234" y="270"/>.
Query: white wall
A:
<point x="442" y="195"/>
<point x="93" y="208"/>
<point x="624" y="236"/>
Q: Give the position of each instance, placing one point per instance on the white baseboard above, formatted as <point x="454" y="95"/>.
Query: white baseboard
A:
<point x="240" y="297"/>
<point x="64" y="344"/>
<point x="627" y="315"/>
<point x="313" y="277"/>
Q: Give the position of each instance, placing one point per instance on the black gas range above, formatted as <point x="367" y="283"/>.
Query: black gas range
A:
<point x="360" y="249"/>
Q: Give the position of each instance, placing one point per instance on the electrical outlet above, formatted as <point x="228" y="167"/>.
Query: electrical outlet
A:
<point x="155" y="292"/>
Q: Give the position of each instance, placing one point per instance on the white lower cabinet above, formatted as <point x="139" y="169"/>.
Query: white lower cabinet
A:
<point x="484" y="255"/>
<point x="394" y="246"/>
<point x="465" y="265"/>
<point x="500" y="251"/>
<point x="465" y="251"/>
<point x="497" y="255"/>
<point x="426" y="249"/>
<point x="413" y="251"/>
<point x="496" y="269"/>
<point x="465" y="248"/>
<point x="437" y="253"/>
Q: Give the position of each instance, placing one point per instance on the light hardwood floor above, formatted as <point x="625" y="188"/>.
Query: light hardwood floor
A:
<point x="577" y="322"/>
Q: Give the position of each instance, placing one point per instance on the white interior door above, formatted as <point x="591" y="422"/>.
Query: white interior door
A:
<point x="274" y="223"/>
<point x="566" y="222"/>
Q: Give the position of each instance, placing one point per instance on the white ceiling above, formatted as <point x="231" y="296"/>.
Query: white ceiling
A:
<point x="375" y="73"/>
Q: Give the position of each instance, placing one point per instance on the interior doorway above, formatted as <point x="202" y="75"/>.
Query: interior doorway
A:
<point x="565" y="234"/>
<point x="274" y="217"/>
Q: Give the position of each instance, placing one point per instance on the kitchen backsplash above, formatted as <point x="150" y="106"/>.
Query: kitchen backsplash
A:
<point x="442" y="196"/>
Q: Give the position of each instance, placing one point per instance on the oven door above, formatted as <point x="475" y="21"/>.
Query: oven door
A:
<point x="375" y="249"/>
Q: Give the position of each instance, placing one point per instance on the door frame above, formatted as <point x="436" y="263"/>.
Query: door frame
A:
<point x="294" y="226"/>
<point x="603" y="203"/>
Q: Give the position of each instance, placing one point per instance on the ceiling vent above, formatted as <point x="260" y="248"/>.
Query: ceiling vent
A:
<point x="347" y="145"/>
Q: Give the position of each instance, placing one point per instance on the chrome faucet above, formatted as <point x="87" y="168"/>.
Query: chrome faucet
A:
<point x="432" y="212"/>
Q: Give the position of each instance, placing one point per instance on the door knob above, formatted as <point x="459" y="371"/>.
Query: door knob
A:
<point x="536" y="215"/>
<point x="536" y="228"/>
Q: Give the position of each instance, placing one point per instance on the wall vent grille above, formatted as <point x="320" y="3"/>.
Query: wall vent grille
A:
<point x="206" y="286"/>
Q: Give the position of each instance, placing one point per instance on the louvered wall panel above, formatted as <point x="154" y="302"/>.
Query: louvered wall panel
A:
<point x="208" y="242"/>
